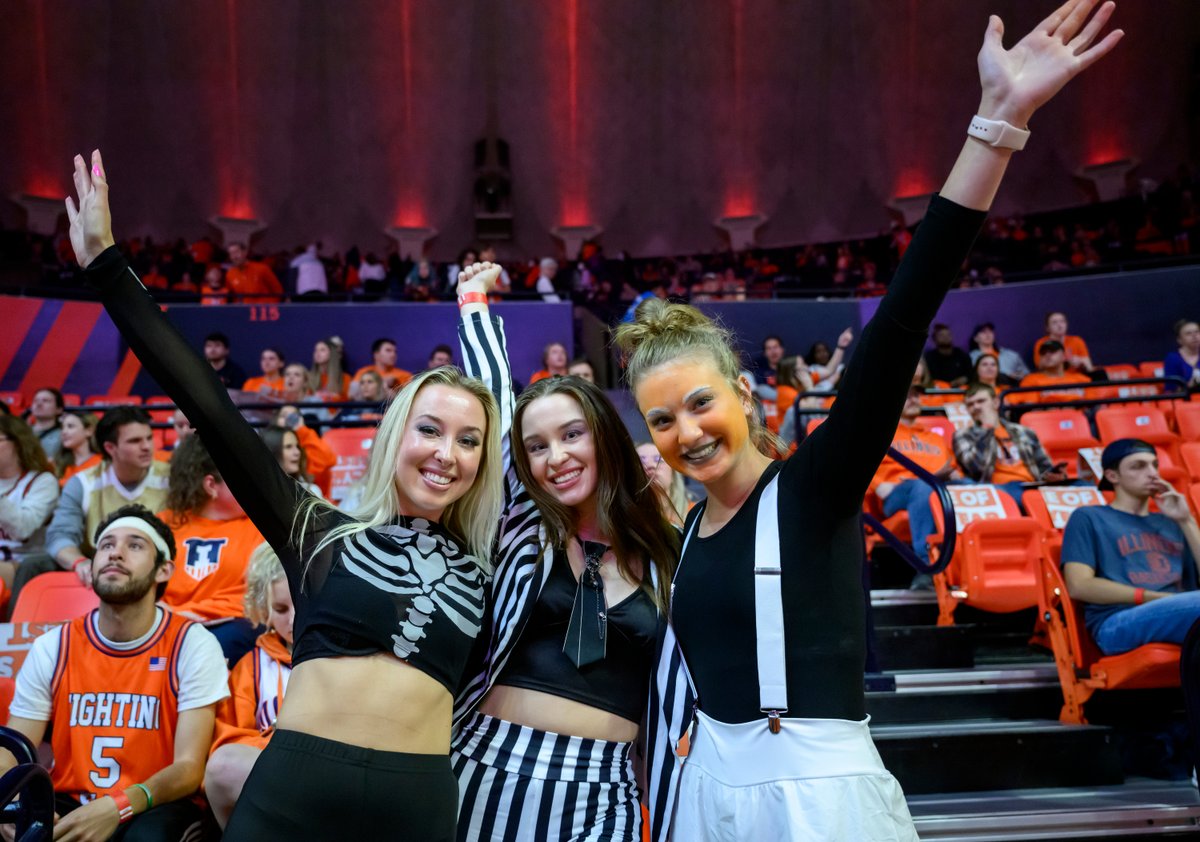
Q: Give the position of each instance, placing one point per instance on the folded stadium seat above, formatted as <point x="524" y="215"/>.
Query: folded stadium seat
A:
<point x="14" y="400"/>
<point x="1187" y="420"/>
<point x="163" y="438"/>
<point x="995" y="561"/>
<point x="7" y="687"/>
<point x="70" y="399"/>
<point x="1151" y="369"/>
<point x="1123" y="371"/>
<point x="352" y="446"/>
<point x="1052" y="506"/>
<point x="1062" y="432"/>
<point x="1138" y="422"/>
<point x="1082" y="669"/>
<point x="1190" y="453"/>
<point x="53" y="598"/>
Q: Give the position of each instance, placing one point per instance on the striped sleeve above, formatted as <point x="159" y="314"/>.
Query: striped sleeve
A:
<point x="485" y="357"/>
<point x="672" y="699"/>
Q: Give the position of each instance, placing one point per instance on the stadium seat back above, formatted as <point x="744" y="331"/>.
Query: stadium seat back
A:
<point x="352" y="446"/>
<point x="53" y="598"/>
<point x="113" y="400"/>
<point x="1187" y="420"/>
<point x="7" y="687"/>
<point x="1062" y="433"/>
<point x="1138" y="422"/>
<point x="14" y="400"/>
<point x="999" y="566"/>
<point x="1052" y="506"/>
<point x="1151" y="369"/>
<point x="1053" y="596"/>
<point x="1122" y="372"/>
<point x="1189" y="452"/>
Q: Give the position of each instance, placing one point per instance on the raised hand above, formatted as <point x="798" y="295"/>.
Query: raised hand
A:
<point x="1172" y="504"/>
<point x="1017" y="82"/>
<point x="846" y="338"/>
<point x="478" y="277"/>
<point x="91" y="223"/>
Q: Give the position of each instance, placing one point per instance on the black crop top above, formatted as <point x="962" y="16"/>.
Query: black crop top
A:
<point x="407" y="588"/>
<point x="619" y="683"/>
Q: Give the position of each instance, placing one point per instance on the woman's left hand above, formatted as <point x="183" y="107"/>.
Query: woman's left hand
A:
<point x="1017" y="82"/>
<point x="91" y="223"/>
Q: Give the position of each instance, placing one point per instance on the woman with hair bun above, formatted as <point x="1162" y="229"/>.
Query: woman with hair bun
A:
<point x="767" y="603"/>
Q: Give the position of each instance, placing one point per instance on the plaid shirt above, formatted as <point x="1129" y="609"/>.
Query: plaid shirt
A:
<point x="975" y="448"/>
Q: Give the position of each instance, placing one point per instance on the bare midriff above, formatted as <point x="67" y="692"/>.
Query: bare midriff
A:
<point x="546" y="712"/>
<point x="373" y="701"/>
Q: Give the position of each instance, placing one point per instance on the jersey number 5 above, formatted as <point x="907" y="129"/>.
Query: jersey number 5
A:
<point x="108" y="770"/>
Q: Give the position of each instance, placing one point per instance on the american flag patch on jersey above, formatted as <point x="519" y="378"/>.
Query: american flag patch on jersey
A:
<point x="158" y="664"/>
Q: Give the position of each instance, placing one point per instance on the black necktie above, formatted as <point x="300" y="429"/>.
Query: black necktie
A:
<point x="587" y="629"/>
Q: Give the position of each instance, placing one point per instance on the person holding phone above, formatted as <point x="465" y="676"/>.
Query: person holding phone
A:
<point x="1003" y="453"/>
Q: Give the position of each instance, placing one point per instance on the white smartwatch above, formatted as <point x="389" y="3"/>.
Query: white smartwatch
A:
<point x="998" y="133"/>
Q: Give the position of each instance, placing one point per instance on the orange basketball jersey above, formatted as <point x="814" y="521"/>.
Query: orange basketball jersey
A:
<point x="114" y="711"/>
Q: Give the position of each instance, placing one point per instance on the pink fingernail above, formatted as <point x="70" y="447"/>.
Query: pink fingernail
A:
<point x="95" y="170"/>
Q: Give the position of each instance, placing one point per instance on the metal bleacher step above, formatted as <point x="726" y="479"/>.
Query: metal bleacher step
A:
<point x="976" y="755"/>
<point x="1019" y="691"/>
<point x="1140" y="808"/>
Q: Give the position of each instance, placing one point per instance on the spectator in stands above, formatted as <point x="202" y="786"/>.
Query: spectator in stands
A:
<point x="987" y="370"/>
<point x="1052" y="370"/>
<point x="791" y="378"/>
<point x="547" y="271"/>
<point x="43" y="414"/>
<point x="214" y="291"/>
<point x="1134" y="570"/>
<point x="271" y="361"/>
<point x="131" y="691"/>
<point x="1184" y="361"/>
<point x="421" y="282"/>
<point x="504" y="284"/>
<point x="246" y="720"/>
<point x="250" y="281"/>
<point x="310" y="273"/>
<point x="28" y="492"/>
<point x="300" y="451"/>
<point x="182" y="426"/>
<point x="554" y="363"/>
<point x="672" y="491"/>
<point x="372" y="274"/>
<point x="213" y="543"/>
<point x="580" y="367"/>
<point x="825" y="366"/>
<point x="946" y="361"/>
<point x="370" y="390"/>
<point x="768" y="361"/>
<point x="999" y="452"/>
<point x="1077" y="357"/>
<point x="897" y="488"/>
<point x="440" y="355"/>
<point x="128" y="473"/>
<point x="383" y="356"/>
<point x="983" y="341"/>
<point x="466" y="257"/>
<point x="216" y="351"/>
<point x="78" y="447"/>
<point x="327" y="378"/>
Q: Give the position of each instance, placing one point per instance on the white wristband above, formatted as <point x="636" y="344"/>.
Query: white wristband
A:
<point x="998" y="133"/>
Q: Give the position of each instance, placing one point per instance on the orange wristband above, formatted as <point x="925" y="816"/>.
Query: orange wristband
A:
<point x="124" y="808"/>
<point x="1139" y="596"/>
<point x="472" y="298"/>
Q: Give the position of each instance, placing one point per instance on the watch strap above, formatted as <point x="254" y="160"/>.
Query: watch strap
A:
<point x="998" y="133"/>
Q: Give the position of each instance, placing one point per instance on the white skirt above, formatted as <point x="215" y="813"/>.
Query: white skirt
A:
<point x="817" y="780"/>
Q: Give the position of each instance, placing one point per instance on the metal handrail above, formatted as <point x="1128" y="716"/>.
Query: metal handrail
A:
<point x="949" y="522"/>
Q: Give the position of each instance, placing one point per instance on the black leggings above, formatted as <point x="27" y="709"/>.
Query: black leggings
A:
<point x="306" y="787"/>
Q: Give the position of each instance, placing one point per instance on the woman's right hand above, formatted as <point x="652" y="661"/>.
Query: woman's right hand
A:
<point x="478" y="277"/>
<point x="91" y="223"/>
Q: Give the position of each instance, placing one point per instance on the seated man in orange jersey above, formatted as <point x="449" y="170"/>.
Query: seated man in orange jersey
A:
<point x="249" y="281"/>
<point x="270" y="385"/>
<point x="1052" y="371"/>
<point x="131" y="689"/>
<point x="383" y="355"/>
<point x="1078" y="358"/>
<point x="898" y="488"/>
<point x="213" y="543"/>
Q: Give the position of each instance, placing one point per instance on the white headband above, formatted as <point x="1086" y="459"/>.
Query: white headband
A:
<point x="141" y="525"/>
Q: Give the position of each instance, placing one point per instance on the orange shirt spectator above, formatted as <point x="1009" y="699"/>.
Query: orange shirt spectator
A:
<point x="1041" y="378"/>
<point x="927" y="449"/>
<point x="215" y="290"/>
<point x="257" y="683"/>
<point x="1010" y="465"/>
<point x="250" y="281"/>
<point x="1077" y="356"/>
<point x="270" y="384"/>
<point x="383" y="356"/>
<point x="211" y="555"/>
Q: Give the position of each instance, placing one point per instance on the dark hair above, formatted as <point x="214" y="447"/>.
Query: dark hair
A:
<point x="939" y="326"/>
<point x="443" y="348"/>
<point x="379" y="343"/>
<point x="273" y="438"/>
<point x="156" y="523"/>
<point x="190" y="464"/>
<point x="1049" y="313"/>
<point x="217" y="336"/>
<point x="581" y="361"/>
<point x="974" y="344"/>
<point x="29" y="448"/>
<point x="546" y="353"/>
<point x="108" y="429"/>
<point x="1181" y="324"/>
<point x="58" y="396"/>
<point x="627" y="505"/>
<point x="239" y="244"/>
<point x="282" y="356"/>
<point x="1050" y="346"/>
<point x="977" y="387"/>
<point x="769" y="337"/>
<point x="811" y="356"/>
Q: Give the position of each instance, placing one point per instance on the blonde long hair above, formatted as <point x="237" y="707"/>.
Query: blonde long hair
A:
<point x="264" y="570"/>
<point x="472" y="518"/>
<point x="663" y="331"/>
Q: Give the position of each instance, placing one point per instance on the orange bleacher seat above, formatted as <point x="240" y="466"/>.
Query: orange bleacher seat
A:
<point x="8" y="687"/>
<point x="1138" y="422"/>
<point x="995" y="561"/>
<point x="53" y="598"/>
<point x="14" y="400"/>
<point x="1082" y="669"/>
<point x="1151" y="369"/>
<point x="113" y="400"/>
<point x="1051" y="506"/>
<point x="1122" y="372"/>
<point x="1062" y="432"/>
<point x="163" y="438"/>
<point x="352" y="446"/>
<point x="1187" y="420"/>
<point x="70" y="399"/>
<point x="1190" y="453"/>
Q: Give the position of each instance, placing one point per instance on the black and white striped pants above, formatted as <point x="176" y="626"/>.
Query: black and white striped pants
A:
<point x="517" y="783"/>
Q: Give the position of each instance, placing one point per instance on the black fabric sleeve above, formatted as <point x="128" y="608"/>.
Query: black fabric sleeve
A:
<point x="843" y="453"/>
<point x="268" y="496"/>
